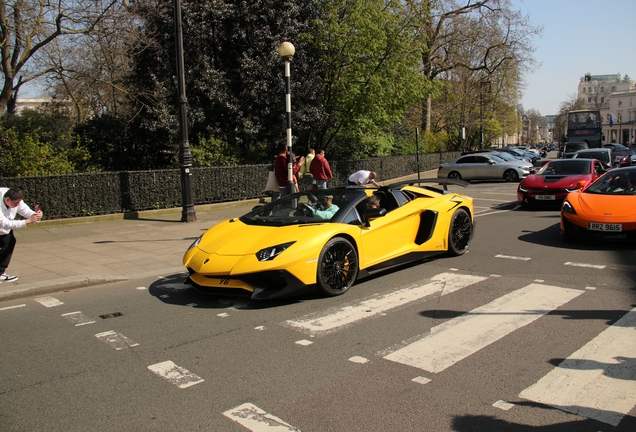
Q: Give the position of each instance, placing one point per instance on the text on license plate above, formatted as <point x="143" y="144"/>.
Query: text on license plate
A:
<point x="545" y="197"/>
<point x="594" y="226"/>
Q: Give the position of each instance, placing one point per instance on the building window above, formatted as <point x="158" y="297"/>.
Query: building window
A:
<point x="602" y="99"/>
<point x="631" y="101"/>
<point x="620" y="102"/>
<point x="583" y="90"/>
<point x="613" y="88"/>
<point x="589" y="100"/>
<point x="589" y="89"/>
<point x="602" y="89"/>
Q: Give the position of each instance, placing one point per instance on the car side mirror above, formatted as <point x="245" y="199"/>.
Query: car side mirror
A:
<point x="373" y="213"/>
<point x="581" y="184"/>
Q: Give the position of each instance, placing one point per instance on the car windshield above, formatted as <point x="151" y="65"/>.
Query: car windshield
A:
<point x="615" y="182"/>
<point x="575" y="146"/>
<point x="314" y="206"/>
<point x="496" y="158"/>
<point x="566" y="167"/>
<point x="505" y="156"/>
<point x="516" y="152"/>
<point x="603" y="156"/>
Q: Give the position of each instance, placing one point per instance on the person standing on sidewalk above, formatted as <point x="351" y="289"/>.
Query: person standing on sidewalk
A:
<point x="305" y="172"/>
<point x="12" y="205"/>
<point x="320" y="169"/>
<point x="280" y="169"/>
<point x="363" y="177"/>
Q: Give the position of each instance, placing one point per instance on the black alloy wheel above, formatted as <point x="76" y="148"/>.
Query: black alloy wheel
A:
<point x="337" y="267"/>
<point x="460" y="232"/>
<point x="454" y="175"/>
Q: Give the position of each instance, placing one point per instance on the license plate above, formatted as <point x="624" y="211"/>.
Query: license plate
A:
<point x="594" y="226"/>
<point x="545" y="197"/>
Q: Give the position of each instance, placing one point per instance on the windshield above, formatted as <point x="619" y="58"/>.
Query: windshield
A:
<point x="575" y="146"/>
<point x="615" y="182"/>
<point x="496" y="158"/>
<point x="314" y="206"/>
<point x="505" y="156"/>
<point x="566" y="167"/>
<point x="603" y="156"/>
<point x="515" y="152"/>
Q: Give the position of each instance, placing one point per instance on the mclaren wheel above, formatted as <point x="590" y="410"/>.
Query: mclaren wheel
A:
<point x="511" y="176"/>
<point x="569" y="230"/>
<point x="454" y="175"/>
<point x="460" y="233"/>
<point x="337" y="267"/>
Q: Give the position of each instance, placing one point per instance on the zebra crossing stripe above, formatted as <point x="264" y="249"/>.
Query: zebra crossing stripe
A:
<point x="345" y="315"/>
<point x="599" y="380"/>
<point x="460" y="337"/>
<point x="255" y="419"/>
<point x="175" y="374"/>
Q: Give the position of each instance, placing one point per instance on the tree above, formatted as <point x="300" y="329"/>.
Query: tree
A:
<point x="28" y="26"/>
<point x="369" y="70"/>
<point x="491" y="30"/>
<point x="234" y="74"/>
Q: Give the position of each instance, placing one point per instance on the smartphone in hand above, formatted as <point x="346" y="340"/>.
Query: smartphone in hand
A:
<point x="37" y="209"/>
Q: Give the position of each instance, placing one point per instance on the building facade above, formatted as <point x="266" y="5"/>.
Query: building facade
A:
<point x="615" y="97"/>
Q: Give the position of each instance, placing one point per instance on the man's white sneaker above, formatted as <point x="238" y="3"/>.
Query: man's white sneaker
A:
<point x="7" y="278"/>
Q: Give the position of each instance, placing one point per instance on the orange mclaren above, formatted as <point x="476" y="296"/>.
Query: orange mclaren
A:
<point x="606" y="209"/>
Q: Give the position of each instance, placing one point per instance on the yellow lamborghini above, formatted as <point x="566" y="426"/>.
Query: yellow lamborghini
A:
<point x="327" y="238"/>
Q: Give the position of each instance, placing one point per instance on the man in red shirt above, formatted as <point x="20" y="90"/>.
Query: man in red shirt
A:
<point x="280" y="169"/>
<point x="320" y="169"/>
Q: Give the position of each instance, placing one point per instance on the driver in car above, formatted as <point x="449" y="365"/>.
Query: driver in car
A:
<point x="329" y="208"/>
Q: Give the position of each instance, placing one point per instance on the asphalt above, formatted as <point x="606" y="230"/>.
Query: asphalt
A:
<point x="58" y="255"/>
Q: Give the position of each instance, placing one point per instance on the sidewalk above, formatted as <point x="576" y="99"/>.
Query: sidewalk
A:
<point x="57" y="255"/>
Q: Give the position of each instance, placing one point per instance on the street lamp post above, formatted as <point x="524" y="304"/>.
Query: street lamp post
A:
<point x="287" y="51"/>
<point x="185" y="157"/>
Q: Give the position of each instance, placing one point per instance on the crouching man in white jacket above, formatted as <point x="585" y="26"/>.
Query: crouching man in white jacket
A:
<point x="12" y="205"/>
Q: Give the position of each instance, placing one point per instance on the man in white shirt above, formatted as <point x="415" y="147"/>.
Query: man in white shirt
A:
<point x="11" y="206"/>
<point x="363" y="177"/>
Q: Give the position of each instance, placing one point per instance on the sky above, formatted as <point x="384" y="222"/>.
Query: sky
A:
<point x="579" y="37"/>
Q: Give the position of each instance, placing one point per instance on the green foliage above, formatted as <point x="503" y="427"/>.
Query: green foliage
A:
<point x="369" y="61"/>
<point x="23" y="155"/>
<point x="214" y="152"/>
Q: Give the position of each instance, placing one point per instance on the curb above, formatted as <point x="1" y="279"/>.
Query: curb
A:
<point x="78" y="281"/>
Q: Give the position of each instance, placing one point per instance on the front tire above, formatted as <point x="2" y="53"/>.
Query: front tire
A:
<point x="337" y="267"/>
<point x="459" y="233"/>
<point x="454" y="175"/>
<point x="511" y="176"/>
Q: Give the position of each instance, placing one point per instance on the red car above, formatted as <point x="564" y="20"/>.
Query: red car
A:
<point x="550" y="185"/>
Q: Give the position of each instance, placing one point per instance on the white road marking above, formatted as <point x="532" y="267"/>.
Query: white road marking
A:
<point x="503" y="405"/>
<point x="456" y="339"/>
<point x="495" y="212"/>
<point x="223" y="315"/>
<point x="117" y="341"/>
<point x="12" y="307"/>
<point x="303" y="342"/>
<point x="358" y="359"/>
<point x="174" y="374"/>
<point x="140" y="288"/>
<point x="573" y="264"/>
<point x="342" y="316"/>
<point x="599" y="380"/>
<point x="255" y="419"/>
<point x="49" y="301"/>
<point x="513" y="257"/>
<point x="78" y="318"/>
<point x="421" y="380"/>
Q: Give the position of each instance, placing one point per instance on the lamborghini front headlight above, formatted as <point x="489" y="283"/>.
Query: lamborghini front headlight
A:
<point x="272" y="252"/>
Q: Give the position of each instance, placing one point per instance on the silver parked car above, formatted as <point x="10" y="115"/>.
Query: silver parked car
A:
<point x="483" y="166"/>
